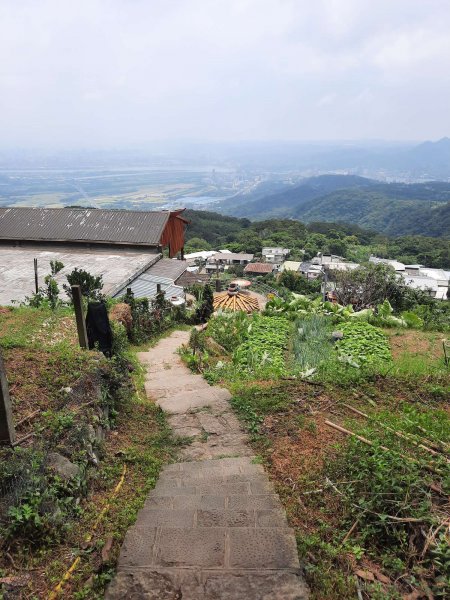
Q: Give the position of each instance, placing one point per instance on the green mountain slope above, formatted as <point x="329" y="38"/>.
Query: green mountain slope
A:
<point x="390" y="208"/>
<point x="262" y="205"/>
<point x="373" y="210"/>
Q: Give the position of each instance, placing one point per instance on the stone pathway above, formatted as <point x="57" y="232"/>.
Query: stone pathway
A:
<point x="213" y="528"/>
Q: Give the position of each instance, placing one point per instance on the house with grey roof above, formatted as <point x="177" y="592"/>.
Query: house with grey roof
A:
<point x="124" y="247"/>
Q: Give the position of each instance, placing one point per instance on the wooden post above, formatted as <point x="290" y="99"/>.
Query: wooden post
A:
<point x="36" y="281"/>
<point x="7" y="432"/>
<point x="158" y="288"/>
<point x="81" y="324"/>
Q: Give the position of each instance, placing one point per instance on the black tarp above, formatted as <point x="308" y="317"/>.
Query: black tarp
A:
<point x="98" y="327"/>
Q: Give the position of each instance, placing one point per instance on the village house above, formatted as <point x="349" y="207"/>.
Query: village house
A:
<point x="221" y="261"/>
<point x="275" y="255"/>
<point x="124" y="247"/>
<point x="332" y="262"/>
<point x="258" y="268"/>
<point x="433" y="281"/>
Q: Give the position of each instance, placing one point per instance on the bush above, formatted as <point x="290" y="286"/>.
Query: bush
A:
<point x="206" y="308"/>
<point x="91" y="285"/>
<point x="229" y="329"/>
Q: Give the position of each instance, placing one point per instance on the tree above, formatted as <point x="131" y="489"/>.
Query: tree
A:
<point x="51" y="290"/>
<point x="196" y="244"/>
<point x="296" y="283"/>
<point x="206" y="308"/>
<point x="370" y="285"/>
<point x="91" y="285"/>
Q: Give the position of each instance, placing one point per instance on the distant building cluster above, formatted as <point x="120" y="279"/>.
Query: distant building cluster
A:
<point x="433" y="281"/>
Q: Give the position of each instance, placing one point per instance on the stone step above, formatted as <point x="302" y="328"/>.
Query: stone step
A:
<point x="237" y="462"/>
<point x="182" y="402"/>
<point x="171" y="487"/>
<point x="212" y="476"/>
<point x="214" y="501"/>
<point x="212" y="517"/>
<point x="209" y="547"/>
<point x="170" y="584"/>
<point x="174" y="381"/>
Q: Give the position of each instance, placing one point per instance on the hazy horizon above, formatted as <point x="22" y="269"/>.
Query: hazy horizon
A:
<point x="105" y="73"/>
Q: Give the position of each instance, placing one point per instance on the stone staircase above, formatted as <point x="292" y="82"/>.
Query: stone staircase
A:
<point x="213" y="528"/>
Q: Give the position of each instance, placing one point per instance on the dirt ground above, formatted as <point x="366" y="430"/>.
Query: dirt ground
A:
<point x="415" y="342"/>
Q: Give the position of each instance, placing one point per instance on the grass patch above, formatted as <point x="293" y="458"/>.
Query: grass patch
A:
<point x="61" y="380"/>
<point x="328" y="482"/>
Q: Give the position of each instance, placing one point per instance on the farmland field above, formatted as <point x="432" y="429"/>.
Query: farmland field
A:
<point x="128" y="188"/>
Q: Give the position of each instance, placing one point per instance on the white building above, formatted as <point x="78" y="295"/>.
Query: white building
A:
<point x="275" y="256"/>
<point x="221" y="261"/>
<point x="433" y="281"/>
<point x="441" y="278"/>
<point x="395" y="264"/>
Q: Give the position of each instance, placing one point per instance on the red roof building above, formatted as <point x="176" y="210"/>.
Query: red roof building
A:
<point x="258" y="268"/>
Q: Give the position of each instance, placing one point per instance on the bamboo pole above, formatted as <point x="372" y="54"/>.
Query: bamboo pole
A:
<point x="399" y="434"/>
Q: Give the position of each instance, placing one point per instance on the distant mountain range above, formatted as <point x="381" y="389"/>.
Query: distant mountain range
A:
<point x="391" y="208"/>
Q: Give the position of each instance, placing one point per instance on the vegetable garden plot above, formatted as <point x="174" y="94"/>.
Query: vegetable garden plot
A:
<point x="363" y="345"/>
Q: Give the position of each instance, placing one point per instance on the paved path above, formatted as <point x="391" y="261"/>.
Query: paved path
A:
<point x="213" y="527"/>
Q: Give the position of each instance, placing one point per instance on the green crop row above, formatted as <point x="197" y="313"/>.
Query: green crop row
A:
<point x="363" y="344"/>
<point x="265" y="346"/>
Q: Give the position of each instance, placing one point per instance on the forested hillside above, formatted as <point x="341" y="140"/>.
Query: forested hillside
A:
<point x="390" y="208"/>
<point x="211" y="230"/>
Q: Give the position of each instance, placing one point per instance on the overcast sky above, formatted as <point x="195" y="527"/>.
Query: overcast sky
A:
<point x="108" y="72"/>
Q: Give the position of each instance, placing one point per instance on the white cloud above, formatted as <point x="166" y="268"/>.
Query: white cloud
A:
<point x="125" y="71"/>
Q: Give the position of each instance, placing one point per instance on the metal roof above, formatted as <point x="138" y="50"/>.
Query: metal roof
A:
<point x="227" y="256"/>
<point x="290" y="265"/>
<point x="145" y="286"/>
<point x="83" y="225"/>
<point x="164" y="272"/>
<point x="169" y="267"/>
<point x="258" y="267"/>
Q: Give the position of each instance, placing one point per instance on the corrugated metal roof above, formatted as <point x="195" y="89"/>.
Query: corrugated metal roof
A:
<point x="258" y="268"/>
<point x="145" y="286"/>
<point x="290" y="265"/>
<point x="164" y="272"/>
<point x="168" y="267"/>
<point x="84" y="225"/>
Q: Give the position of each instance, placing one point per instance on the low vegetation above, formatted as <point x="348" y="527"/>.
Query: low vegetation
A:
<point x="354" y="435"/>
<point x="84" y="426"/>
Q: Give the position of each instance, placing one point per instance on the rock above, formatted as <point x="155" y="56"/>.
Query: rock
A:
<point x="106" y="550"/>
<point x="337" y="335"/>
<point x="90" y="433"/>
<point x="99" y="434"/>
<point x="62" y="466"/>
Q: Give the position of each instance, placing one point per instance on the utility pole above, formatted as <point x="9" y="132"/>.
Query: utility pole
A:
<point x="324" y="284"/>
<point x="79" y="316"/>
<point x="7" y="432"/>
